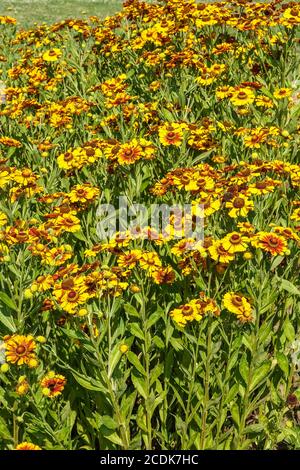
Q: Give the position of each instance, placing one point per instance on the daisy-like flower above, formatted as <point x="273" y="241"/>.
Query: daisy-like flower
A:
<point x="281" y="93"/>
<point x="21" y="350"/>
<point x="270" y="242"/>
<point x="239" y="305"/>
<point x="129" y="259"/>
<point x="52" y="55"/>
<point x="171" y="134"/>
<point x="71" y="299"/>
<point x="68" y="223"/>
<point x="219" y="253"/>
<point x="239" y="206"/>
<point x="27" y="446"/>
<point x="263" y="187"/>
<point x="163" y="275"/>
<point x="264" y="102"/>
<point x="57" y="255"/>
<point x="286" y="232"/>
<point x="242" y="97"/>
<point x="129" y="153"/>
<point x="83" y="193"/>
<point x="235" y="242"/>
<point x="10" y="142"/>
<point x="53" y="384"/>
<point x="185" y="313"/>
<point x="150" y="261"/>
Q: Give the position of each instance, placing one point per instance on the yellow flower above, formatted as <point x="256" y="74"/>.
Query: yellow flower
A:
<point x="281" y="93"/>
<point x="171" y="134"/>
<point x="123" y="348"/>
<point x="53" y="384"/>
<point x="27" y="446"/>
<point x="20" y="350"/>
<point x="219" y="253"/>
<point x="242" y="97"/>
<point x="235" y="242"/>
<point x="3" y="219"/>
<point x="239" y="305"/>
<point x="185" y="313"/>
<point x="239" y="206"/>
<point x="52" y="55"/>
<point x="22" y="386"/>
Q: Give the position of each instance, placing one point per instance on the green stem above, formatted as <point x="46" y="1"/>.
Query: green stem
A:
<point x="206" y="387"/>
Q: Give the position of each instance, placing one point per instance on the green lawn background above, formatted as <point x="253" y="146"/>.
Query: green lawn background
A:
<point x="29" y="12"/>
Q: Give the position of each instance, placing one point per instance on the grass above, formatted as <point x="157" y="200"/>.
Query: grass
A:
<point x="28" y="12"/>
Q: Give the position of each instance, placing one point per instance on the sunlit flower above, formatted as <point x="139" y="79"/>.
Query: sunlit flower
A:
<point x="20" y="350"/>
<point x="239" y="305"/>
<point x="27" y="446"/>
<point x="239" y="206"/>
<point x="52" y="55"/>
<point x="270" y="242"/>
<point x="242" y="97"/>
<point x="53" y="384"/>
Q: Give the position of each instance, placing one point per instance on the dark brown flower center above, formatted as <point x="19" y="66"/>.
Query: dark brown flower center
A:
<point x="235" y="238"/>
<point x="68" y="156"/>
<point x="90" y="152"/>
<point x="20" y="350"/>
<point x="238" y="203"/>
<point x="187" y="310"/>
<point x="72" y="295"/>
<point x="171" y="135"/>
<point x="273" y="241"/>
<point x="237" y="300"/>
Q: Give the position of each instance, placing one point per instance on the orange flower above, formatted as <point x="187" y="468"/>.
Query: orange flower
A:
<point x="53" y="384"/>
<point x="20" y="350"/>
<point x="270" y="242"/>
<point x="171" y="134"/>
<point x="27" y="446"/>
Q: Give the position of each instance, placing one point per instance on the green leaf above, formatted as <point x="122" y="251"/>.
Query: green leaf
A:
<point x="8" y="322"/>
<point x="232" y="393"/>
<point x="289" y="330"/>
<point x="111" y="436"/>
<point x="158" y="342"/>
<point x="139" y="385"/>
<point x="260" y="374"/>
<point x="80" y="236"/>
<point x="276" y="262"/>
<point x="134" y="360"/>
<point x="109" y="422"/>
<point x="289" y="287"/>
<point x="114" y="359"/>
<point x="244" y="368"/>
<point x="85" y="382"/>
<point x="136" y="331"/>
<point x="254" y="428"/>
<point x="153" y="319"/>
<point x="4" y="431"/>
<point x="8" y="301"/>
<point x="235" y="413"/>
<point x="283" y="363"/>
<point x="131" y="310"/>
